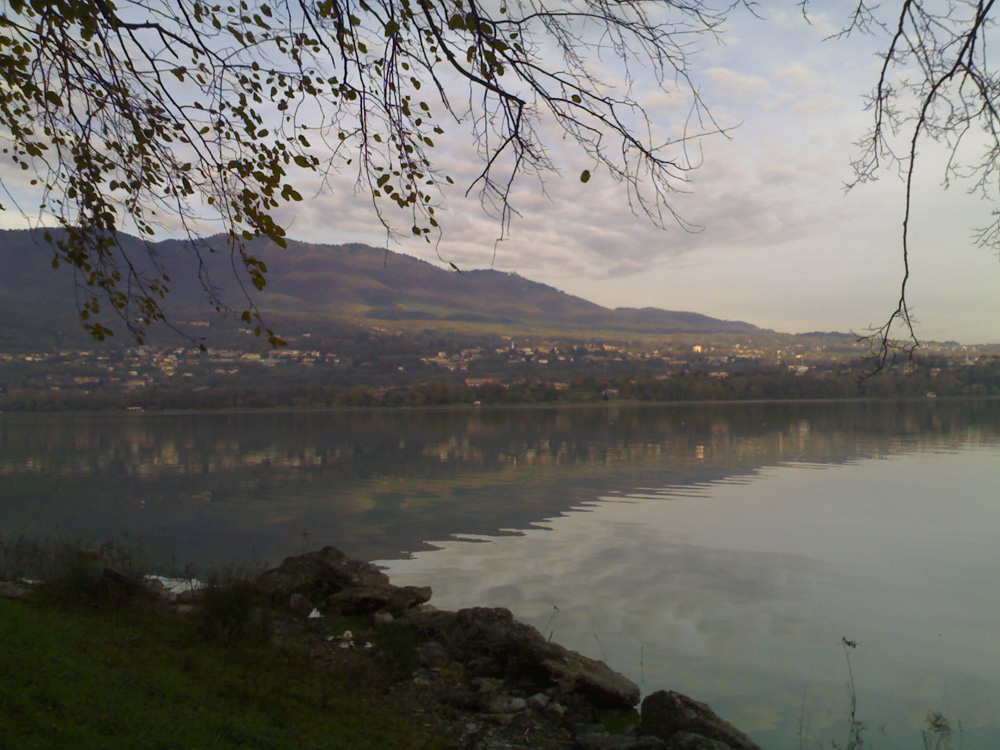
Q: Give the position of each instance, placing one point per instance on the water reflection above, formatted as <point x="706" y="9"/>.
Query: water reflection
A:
<point x="382" y="484"/>
<point x="740" y="595"/>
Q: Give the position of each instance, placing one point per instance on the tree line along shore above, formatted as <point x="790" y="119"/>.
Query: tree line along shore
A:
<point x="977" y="380"/>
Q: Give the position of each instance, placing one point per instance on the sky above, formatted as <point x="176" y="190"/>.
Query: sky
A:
<point x="780" y="245"/>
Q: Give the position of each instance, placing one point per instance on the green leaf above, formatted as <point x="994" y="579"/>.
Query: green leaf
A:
<point x="391" y="28"/>
<point x="585" y="176"/>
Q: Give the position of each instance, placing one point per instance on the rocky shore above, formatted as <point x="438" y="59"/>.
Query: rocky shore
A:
<point x="475" y="679"/>
<point x="493" y="681"/>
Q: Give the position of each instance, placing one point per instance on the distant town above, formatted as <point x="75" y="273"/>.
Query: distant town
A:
<point x="381" y="367"/>
<point x="367" y="327"/>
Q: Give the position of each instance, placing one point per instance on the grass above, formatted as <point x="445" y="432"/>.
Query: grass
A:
<point x="73" y="568"/>
<point x="937" y="733"/>
<point x="95" y="677"/>
<point x="93" y="660"/>
<point x="230" y="612"/>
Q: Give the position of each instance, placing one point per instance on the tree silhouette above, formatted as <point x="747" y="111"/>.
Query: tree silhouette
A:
<point x="936" y="83"/>
<point x="134" y="114"/>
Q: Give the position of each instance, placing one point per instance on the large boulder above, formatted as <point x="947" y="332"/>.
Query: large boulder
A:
<point x="493" y="642"/>
<point x="687" y="724"/>
<point x="333" y="582"/>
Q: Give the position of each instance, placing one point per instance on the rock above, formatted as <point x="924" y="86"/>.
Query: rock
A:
<point x="431" y="654"/>
<point x="155" y="586"/>
<point x="689" y="741"/>
<point x="556" y="709"/>
<point x="332" y="581"/>
<point x="491" y="642"/>
<point x="618" y="742"/>
<point x="494" y="705"/>
<point x="538" y="701"/>
<point x="648" y="743"/>
<point x="687" y="724"/>
<point x="486" y="685"/>
<point x="596" y="679"/>
<point x="13" y="590"/>
<point x="112" y="585"/>
<point x="388" y="598"/>
<point x="500" y="718"/>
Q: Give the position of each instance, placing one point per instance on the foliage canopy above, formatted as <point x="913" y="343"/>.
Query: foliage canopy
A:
<point x="139" y="113"/>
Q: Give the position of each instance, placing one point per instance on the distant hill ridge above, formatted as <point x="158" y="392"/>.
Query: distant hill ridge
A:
<point x="315" y="284"/>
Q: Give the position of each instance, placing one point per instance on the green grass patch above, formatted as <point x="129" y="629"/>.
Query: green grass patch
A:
<point x="75" y="675"/>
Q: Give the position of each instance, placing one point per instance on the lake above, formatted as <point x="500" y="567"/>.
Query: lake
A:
<point x="724" y="551"/>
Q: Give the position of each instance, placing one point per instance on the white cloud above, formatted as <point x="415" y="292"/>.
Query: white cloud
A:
<point x="816" y="24"/>
<point x="801" y="77"/>
<point x="738" y="89"/>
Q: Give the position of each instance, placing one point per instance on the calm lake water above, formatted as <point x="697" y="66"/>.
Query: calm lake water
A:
<point x="720" y="550"/>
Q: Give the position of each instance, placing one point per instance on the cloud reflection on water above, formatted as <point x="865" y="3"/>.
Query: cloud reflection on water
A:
<point x="740" y="596"/>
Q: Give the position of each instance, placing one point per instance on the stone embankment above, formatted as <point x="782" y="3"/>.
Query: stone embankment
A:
<point x="495" y="682"/>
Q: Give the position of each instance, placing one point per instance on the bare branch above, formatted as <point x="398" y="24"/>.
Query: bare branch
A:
<point x="937" y="83"/>
<point x="144" y="114"/>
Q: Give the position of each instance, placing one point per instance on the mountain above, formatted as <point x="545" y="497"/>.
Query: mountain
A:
<point x="322" y="287"/>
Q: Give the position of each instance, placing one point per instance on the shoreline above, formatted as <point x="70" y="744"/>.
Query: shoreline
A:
<point x="480" y="678"/>
<point x="447" y="408"/>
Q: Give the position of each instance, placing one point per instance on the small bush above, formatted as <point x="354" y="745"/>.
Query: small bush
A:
<point x="399" y="643"/>
<point x="230" y="610"/>
<point x="937" y="732"/>
<point x="112" y="573"/>
<point x="20" y="558"/>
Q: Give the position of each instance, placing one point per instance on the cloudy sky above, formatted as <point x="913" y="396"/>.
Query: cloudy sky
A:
<point x="781" y="244"/>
